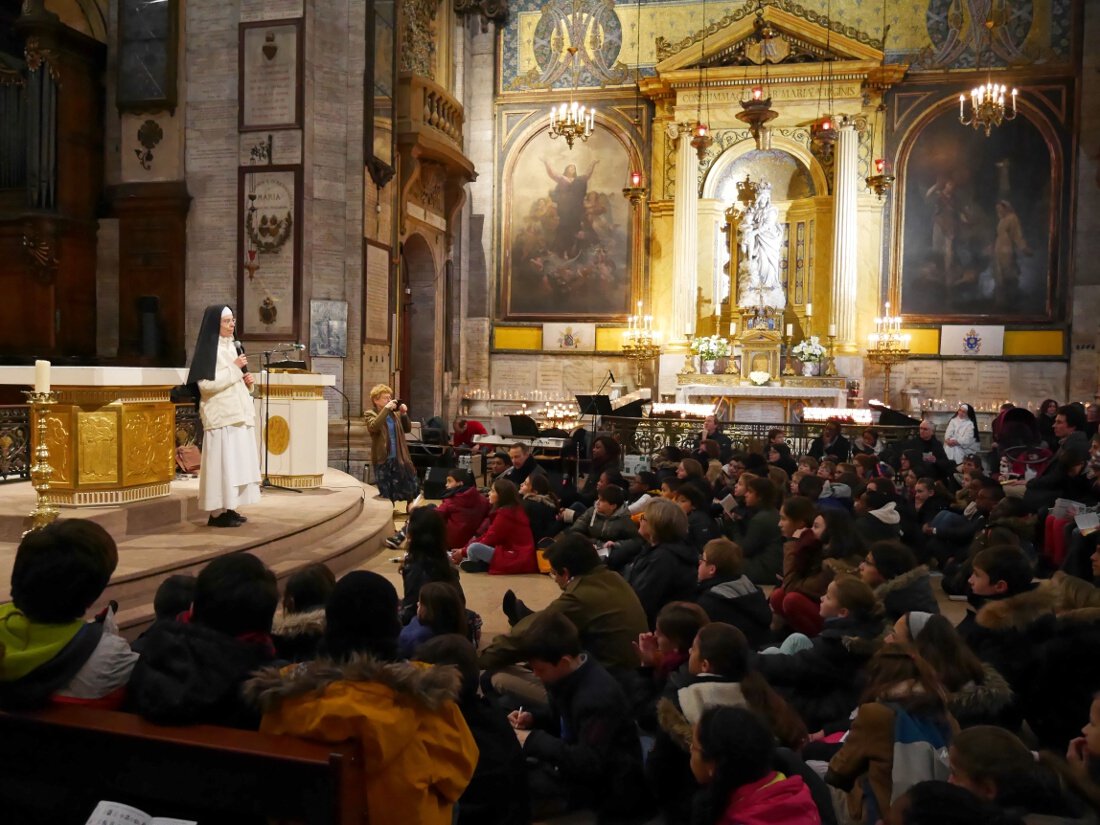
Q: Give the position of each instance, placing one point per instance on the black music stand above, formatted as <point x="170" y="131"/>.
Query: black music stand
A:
<point x="524" y="426"/>
<point x="267" y="483"/>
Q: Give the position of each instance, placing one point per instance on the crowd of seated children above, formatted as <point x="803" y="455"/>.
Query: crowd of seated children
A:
<point x="851" y="647"/>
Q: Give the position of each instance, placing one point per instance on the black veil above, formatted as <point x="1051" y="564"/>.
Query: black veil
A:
<point x="204" y="362"/>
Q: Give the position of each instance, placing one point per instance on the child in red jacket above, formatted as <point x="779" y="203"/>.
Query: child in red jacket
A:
<point x="463" y="508"/>
<point x="505" y="544"/>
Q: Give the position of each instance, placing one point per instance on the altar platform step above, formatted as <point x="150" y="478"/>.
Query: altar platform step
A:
<point x="339" y="523"/>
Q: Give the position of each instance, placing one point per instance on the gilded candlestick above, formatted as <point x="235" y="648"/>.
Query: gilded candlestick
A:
<point x="41" y="472"/>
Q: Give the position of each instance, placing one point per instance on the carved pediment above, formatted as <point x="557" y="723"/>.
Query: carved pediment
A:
<point x="782" y="32"/>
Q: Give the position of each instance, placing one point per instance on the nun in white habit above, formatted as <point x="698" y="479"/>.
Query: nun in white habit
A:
<point x="230" y="473"/>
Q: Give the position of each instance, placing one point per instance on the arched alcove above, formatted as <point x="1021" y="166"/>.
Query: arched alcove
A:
<point x="418" y="373"/>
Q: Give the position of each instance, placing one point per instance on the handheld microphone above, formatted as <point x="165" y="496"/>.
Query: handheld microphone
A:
<point x="240" y="351"/>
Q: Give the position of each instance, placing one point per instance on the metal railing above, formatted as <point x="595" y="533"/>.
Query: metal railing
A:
<point x="648" y="436"/>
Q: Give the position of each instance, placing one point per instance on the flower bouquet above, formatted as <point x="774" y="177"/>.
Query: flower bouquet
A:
<point x="710" y="347"/>
<point x="809" y="350"/>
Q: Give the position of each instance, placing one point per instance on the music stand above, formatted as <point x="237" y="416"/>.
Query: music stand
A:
<point x="594" y="405"/>
<point x="267" y="483"/>
<point x="524" y="426"/>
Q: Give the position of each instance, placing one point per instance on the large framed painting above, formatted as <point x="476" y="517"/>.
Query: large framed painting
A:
<point x="977" y="228"/>
<point x="568" y="233"/>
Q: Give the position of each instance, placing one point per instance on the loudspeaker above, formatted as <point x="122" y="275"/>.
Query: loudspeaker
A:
<point x="435" y="479"/>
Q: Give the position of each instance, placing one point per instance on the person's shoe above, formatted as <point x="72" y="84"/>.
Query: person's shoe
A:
<point x="224" y="520"/>
<point x="237" y="516"/>
<point x="396" y="540"/>
<point x="508" y="605"/>
<point x="474" y="566"/>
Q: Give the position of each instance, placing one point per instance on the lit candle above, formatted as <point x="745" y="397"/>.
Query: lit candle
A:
<point x="880" y="165"/>
<point x="962" y="101"/>
<point x="832" y="330"/>
<point x="635" y="179"/>
<point x="733" y="328"/>
<point x="41" y="376"/>
<point x="809" y="310"/>
<point x="757" y="93"/>
<point x="790" y="330"/>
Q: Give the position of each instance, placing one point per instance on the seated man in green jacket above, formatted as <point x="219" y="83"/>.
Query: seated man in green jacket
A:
<point x="599" y="602"/>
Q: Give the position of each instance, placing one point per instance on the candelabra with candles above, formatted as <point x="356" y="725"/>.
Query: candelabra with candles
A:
<point x="41" y="471"/>
<point x="559" y="415"/>
<point x="888" y="346"/>
<point x="987" y="107"/>
<point x="571" y="120"/>
<point x="641" y="344"/>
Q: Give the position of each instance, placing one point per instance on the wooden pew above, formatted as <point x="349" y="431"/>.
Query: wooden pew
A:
<point x="55" y="764"/>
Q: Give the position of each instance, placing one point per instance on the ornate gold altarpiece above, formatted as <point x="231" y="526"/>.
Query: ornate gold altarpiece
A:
<point x="111" y="434"/>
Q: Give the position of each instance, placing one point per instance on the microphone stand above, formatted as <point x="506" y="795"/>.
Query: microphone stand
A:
<point x="267" y="483"/>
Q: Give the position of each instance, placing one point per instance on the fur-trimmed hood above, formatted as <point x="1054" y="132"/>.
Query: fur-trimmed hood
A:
<point x="1019" y="611"/>
<point x="429" y="685"/>
<point x="677" y="718"/>
<point x="981" y="701"/>
<point x="291" y="625"/>
<point x="901" y="582"/>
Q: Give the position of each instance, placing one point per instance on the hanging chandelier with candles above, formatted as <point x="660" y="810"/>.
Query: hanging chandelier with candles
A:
<point x="988" y="106"/>
<point x="571" y="120"/>
<point x="989" y="103"/>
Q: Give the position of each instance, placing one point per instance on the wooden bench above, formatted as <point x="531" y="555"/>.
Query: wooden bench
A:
<point x="57" y="763"/>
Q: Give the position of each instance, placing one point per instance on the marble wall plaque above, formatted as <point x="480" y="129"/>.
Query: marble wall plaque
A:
<point x="994" y="381"/>
<point x="926" y="376"/>
<point x="270" y="75"/>
<point x="376" y="295"/>
<point x="959" y="383"/>
<point x="550" y="378"/>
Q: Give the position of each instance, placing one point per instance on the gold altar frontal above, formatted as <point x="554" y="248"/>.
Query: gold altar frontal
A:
<point x="110" y="444"/>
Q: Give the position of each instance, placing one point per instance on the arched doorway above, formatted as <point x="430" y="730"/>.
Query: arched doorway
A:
<point x="421" y="371"/>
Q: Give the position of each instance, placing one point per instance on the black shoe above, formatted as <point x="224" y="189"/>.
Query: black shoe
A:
<point x="237" y="516"/>
<point x="508" y="605"/>
<point x="224" y="520"/>
<point x="396" y="540"/>
<point x="474" y="566"/>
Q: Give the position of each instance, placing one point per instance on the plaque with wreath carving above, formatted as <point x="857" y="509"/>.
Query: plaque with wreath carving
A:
<point x="269" y="252"/>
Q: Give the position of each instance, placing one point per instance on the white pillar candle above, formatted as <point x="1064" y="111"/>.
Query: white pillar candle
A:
<point x="790" y="330"/>
<point x="832" y="330"/>
<point x="41" y="376"/>
<point x="809" y="310"/>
